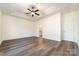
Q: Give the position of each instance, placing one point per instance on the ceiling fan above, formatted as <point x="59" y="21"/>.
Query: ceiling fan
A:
<point x="33" y="11"/>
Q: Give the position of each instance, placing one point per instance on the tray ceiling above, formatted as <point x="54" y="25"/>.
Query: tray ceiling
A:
<point x="45" y="9"/>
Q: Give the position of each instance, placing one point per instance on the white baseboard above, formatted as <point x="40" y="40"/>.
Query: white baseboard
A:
<point x="0" y="42"/>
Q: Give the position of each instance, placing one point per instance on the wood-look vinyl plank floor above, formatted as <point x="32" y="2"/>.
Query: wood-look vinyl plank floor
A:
<point x="28" y="47"/>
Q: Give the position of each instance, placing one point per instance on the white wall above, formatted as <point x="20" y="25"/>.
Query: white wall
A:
<point x="0" y="27"/>
<point x="71" y="25"/>
<point x="50" y="27"/>
<point x="78" y="27"/>
<point x="14" y="27"/>
<point x="67" y="22"/>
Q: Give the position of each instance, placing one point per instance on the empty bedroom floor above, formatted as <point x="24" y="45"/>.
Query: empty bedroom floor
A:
<point x="29" y="47"/>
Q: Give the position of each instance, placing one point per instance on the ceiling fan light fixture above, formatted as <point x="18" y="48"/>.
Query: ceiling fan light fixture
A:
<point x="33" y="11"/>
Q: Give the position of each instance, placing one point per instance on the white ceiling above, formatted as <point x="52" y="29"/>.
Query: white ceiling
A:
<point x="45" y="9"/>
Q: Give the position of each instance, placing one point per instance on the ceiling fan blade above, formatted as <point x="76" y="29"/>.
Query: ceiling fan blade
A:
<point x="29" y="9"/>
<point x="37" y="14"/>
<point x="32" y="15"/>
<point x="36" y="10"/>
<point x="27" y="13"/>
